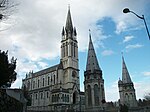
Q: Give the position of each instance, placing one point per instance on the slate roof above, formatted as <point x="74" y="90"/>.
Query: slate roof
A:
<point x="44" y="71"/>
<point x="125" y="74"/>
<point x="92" y="63"/>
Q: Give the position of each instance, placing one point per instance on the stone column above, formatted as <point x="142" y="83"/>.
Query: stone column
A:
<point x="69" y="49"/>
<point x="92" y="92"/>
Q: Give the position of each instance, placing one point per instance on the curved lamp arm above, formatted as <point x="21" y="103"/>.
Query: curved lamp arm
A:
<point x="126" y="10"/>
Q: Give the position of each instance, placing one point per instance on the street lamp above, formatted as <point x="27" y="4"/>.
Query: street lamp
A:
<point x="126" y="10"/>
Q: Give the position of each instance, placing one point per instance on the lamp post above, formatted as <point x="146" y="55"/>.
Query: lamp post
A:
<point x="126" y="10"/>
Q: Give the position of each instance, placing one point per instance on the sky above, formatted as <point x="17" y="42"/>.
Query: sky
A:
<point x="32" y="34"/>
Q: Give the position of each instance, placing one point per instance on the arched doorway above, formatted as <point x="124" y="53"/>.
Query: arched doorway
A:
<point x="75" y="97"/>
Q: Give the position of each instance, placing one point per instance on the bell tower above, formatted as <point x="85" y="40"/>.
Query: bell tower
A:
<point x="69" y="54"/>
<point x="93" y="82"/>
<point x="126" y="88"/>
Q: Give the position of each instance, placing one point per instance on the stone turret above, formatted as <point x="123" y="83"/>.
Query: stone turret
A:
<point x="94" y="83"/>
<point x="126" y="88"/>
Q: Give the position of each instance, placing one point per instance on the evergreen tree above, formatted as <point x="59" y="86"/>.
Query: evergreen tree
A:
<point x="7" y="69"/>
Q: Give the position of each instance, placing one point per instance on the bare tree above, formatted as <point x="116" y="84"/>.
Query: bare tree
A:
<point x="7" y="8"/>
<point x="147" y="97"/>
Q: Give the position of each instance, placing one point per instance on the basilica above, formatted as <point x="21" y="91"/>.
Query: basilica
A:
<point x="57" y="88"/>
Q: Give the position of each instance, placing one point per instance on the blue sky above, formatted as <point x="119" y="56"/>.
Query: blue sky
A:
<point x="33" y="36"/>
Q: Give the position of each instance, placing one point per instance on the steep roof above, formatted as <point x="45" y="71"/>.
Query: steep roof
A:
<point x="69" y="26"/>
<point x="125" y="74"/>
<point x="44" y="71"/>
<point x="92" y="63"/>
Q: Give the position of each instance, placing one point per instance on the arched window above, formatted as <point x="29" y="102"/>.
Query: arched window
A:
<point x="36" y="96"/>
<point x="57" y="97"/>
<point x="65" y="75"/>
<point x="28" y="85"/>
<point x="66" y="48"/>
<point x="74" y="49"/>
<point x="52" y="98"/>
<point x="51" y="79"/>
<point x="96" y="94"/>
<point x="63" y="49"/>
<point x="89" y="95"/>
<point x="63" y="97"/>
<point x="48" y="80"/>
<point x="33" y="84"/>
<point x="67" y="98"/>
<point x="41" y="95"/>
<point x="47" y="94"/>
<point x="54" y="79"/>
<point x="43" y="81"/>
<point x="127" y="96"/>
<point x="38" y="83"/>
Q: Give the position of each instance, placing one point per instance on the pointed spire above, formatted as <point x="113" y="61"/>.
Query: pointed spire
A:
<point x="69" y="26"/>
<point x="92" y="63"/>
<point x="75" y="32"/>
<point x="125" y="74"/>
<point x="90" y="34"/>
<point x="63" y="32"/>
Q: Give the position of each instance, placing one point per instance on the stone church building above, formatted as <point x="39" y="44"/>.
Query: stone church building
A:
<point x="57" y="88"/>
<point x="126" y="88"/>
<point x="94" y="82"/>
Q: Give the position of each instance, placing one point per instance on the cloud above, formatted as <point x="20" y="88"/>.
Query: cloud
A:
<point x="134" y="46"/>
<point x="34" y="31"/>
<point x="128" y="38"/>
<point x="107" y="52"/>
<point x="42" y="64"/>
<point x="25" y="66"/>
<point x="146" y="73"/>
<point x="121" y="26"/>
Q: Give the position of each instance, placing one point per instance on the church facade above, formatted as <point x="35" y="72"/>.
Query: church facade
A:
<point x="57" y="88"/>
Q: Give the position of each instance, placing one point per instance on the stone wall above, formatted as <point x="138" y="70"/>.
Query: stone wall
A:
<point x="9" y="104"/>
